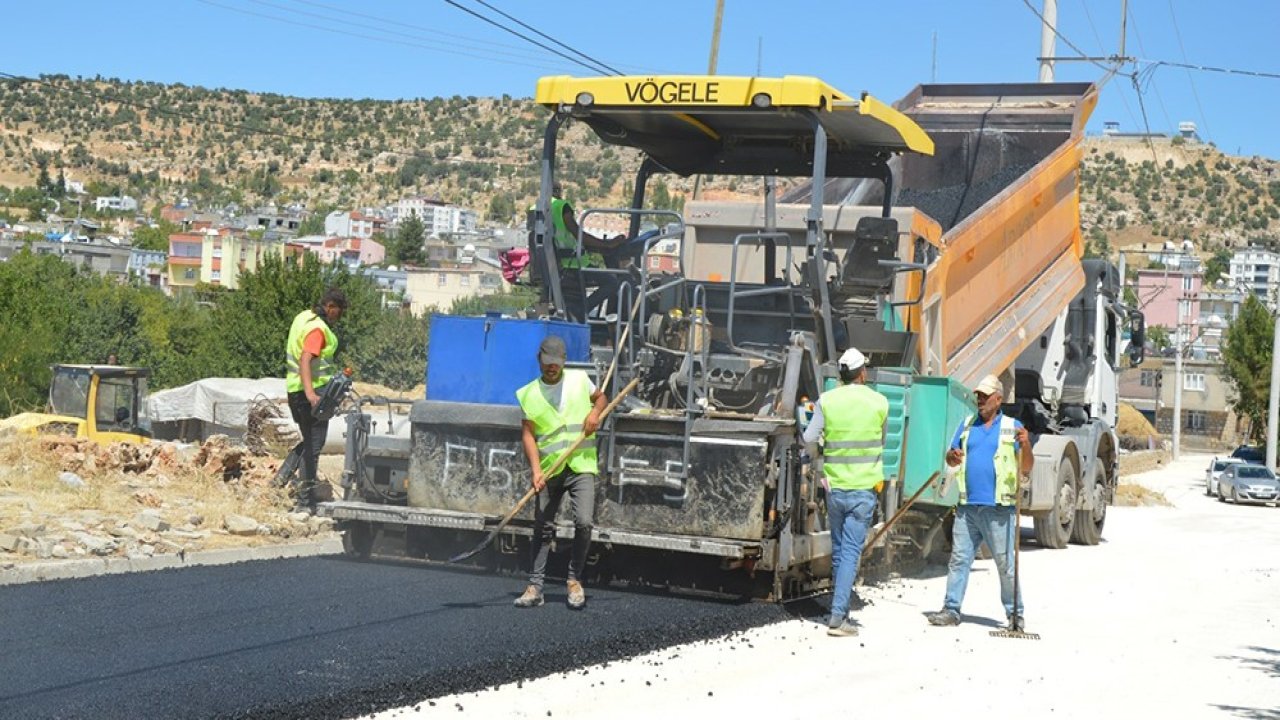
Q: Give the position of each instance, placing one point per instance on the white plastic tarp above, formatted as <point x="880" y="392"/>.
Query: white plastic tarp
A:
<point x="220" y="401"/>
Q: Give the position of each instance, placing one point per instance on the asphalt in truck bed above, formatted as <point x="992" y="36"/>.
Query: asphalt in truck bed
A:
<point x="315" y="637"/>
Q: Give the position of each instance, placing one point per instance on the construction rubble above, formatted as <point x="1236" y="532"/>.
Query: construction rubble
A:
<point x="66" y="498"/>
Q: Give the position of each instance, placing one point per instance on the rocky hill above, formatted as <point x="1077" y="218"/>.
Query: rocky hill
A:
<point x="161" y="142"/>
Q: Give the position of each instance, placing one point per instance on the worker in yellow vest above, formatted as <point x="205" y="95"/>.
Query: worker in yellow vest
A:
<point x="560" y="406"/>
<point x="991" y="452"/>
<point x="309" y="367"/>
<point x="850" y="420"/>
<point x="564" y="225"/>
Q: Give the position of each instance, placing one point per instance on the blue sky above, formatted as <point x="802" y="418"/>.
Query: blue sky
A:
<point x="405" y="49"/>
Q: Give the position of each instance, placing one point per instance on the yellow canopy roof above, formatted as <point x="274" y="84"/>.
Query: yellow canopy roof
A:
<point x="736" y="125"/>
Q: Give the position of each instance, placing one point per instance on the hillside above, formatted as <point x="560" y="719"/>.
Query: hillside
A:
<point x="162" y="142"/>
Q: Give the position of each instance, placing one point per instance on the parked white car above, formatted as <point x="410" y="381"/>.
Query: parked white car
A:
<point x="1213" y="473"/>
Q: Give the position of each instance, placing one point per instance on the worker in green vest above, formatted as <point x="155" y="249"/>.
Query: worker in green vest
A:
<point x="850" y="420"/>
<point x="309" y="367"/>
<point x="990" y="453"/>
<point x="565" y="230"/>
<point x="559" y="407"/>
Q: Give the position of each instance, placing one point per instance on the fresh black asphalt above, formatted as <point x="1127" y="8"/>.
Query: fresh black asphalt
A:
<point x="313" y="637"/>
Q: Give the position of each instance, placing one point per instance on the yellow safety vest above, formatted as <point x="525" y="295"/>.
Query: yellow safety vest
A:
<point x="566" y="243"/>
<point x="853" y="429"/>
<point x="1006" y="462"/>
<point x="555" y="431"/>
<point x="322" y="366"/>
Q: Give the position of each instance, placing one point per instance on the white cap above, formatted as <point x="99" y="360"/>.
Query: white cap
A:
<point x="990" y="385"/>
<point x="852" y="359"/>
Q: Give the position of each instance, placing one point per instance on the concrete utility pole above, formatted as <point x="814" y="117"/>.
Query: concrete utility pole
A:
<point x="711" y="70"/>
<point x="1047" y="40"/>
<point x="1273" y="404"/>
<point x="1177" y="385"/>
<point x="933" y="75"/>
<point x="715" y="38"/>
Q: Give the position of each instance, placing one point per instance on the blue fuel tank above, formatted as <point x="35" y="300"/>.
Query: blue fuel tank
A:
<point x="486" y="359"/>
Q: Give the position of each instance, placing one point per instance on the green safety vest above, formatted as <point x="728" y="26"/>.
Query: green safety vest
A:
<point x="555" y="431"/>
<point x="1006" y="462"/>
<point x="321" y="367"/>
<point x="853" y="430"/>
<point x="566" y="243"/>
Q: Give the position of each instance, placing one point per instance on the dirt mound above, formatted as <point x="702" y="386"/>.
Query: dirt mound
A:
<point x="1134" y="429"/>
<point x="66" y="498"/>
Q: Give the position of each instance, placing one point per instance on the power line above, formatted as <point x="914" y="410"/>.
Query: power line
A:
<point x="1103" y="48"/>
<point x="420" y="44"/>
<point x="518" y="34"/>
<point x="524" y="56"/>
<point x="401" y="23"/>
<point x="1155" y="160"/>
<point x="548" y="37"/>
<point x="1194" y="93"/>
<point x="1210" y="68"/>
<point x="1133" y="19"/>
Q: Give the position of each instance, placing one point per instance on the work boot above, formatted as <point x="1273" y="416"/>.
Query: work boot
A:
<point x="532" y="597"/>
<point x="304" y="498"/>
<point x="577" y="596"/>
<point x="944" y="618"/>
<point x="845" y="628"/>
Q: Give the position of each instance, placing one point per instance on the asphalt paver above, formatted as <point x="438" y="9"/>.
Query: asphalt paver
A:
<point x="320" y="637"/>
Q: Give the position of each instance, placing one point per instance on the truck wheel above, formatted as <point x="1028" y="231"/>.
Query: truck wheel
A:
<point x="357" y="540"/>
<point x="1053" y="529"/>
<point x="1088" y="530"/>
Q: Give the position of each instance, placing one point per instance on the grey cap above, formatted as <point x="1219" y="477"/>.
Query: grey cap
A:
<point x="551" y="351"/>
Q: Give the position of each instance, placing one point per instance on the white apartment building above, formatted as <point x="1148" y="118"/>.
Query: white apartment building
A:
<point x="124" y="202"/>
<point x="351" y="223"/>
<point x="1256" y="270"/>
<point x="437" y="217"/>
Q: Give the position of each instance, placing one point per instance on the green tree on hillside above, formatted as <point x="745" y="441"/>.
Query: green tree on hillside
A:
<point x="409" y="247"/>
<point x="1246" y="355"/>
<point x="1217" y="266"/>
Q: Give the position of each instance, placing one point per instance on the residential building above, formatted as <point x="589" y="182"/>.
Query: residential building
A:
<point x="438" y="218"/>
<point x="149" y="267"/>
<point x="1160" y="292"/>
<point x="100" y="256"/>
<point x="282" y="220"/>
<point x="391" y="284"/>
<point x="354" y="224"/>
<point x="1140" y="387"/>
<point x="215" y="257"/>
<point x="1219" y="307"/>
<point x="122" y="203"/>
<point x="1256" y="270"/>
<point x="1208" y="422"/>
<point x="435" y="289"/>
<point x="664" y="257"/>
<point x="352" y="252"/>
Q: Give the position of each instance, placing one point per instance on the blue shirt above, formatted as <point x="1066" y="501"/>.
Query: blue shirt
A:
<point x="980" y="460"/>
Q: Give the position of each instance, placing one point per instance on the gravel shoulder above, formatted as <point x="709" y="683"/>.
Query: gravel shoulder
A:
<point x="1173" y="615"/>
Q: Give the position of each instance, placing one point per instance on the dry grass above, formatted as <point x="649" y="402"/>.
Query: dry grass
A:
<point x="1129" y="495"/>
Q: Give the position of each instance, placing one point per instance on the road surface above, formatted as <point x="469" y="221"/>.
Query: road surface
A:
<point x="1175" y="615"/>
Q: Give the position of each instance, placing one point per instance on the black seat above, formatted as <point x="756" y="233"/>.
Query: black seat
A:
<point x="874" y="239"/>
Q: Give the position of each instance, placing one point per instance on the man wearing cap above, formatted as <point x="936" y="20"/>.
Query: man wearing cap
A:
<point x="850" y="419"/>
<point x="990" y="453"/>
<point x="559" y="407"/>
